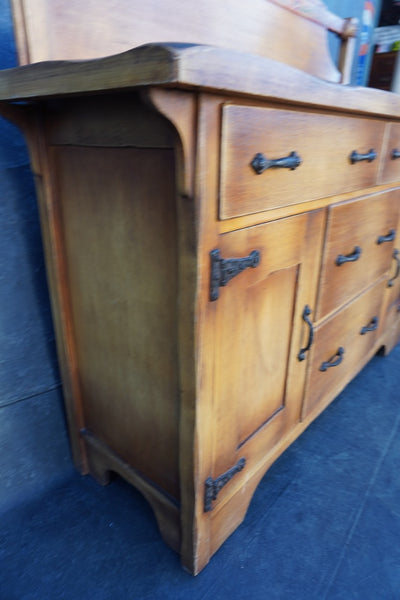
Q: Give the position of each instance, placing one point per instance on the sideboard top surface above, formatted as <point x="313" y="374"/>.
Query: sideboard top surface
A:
<point x="194" y="67"/>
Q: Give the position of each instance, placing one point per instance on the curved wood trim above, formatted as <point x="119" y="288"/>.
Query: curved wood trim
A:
<point x="189" y="66"/>
<point x="181" y="110"/>
<point x="315" y="10"/>
<point x="102" y="461"/>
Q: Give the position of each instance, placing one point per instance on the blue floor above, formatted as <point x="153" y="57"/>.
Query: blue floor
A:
<point x="324" y="522"/>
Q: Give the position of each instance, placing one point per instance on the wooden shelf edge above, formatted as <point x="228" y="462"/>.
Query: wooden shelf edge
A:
<point x="189" y="66"/>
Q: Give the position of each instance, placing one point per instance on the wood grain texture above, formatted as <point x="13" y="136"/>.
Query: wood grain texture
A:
<point x="50" y="221"/>
<point x="97" y="122"/>
<point x="343" y="330"/>
<point x="123" y="287"/>
<point x="324" y="151"/>
<point x="181" y="109"/>
<point x="54" y="29"/>
<point x="391" y="313"/>
<point x="390" y="171"/>
<point x="350" y="225"/>
<point x="103" y="461"/>
<point x="162" y="371"/>
<point x="137" y="157"/>
<point x="192" y="67"/>
<point x="268" y="331"/>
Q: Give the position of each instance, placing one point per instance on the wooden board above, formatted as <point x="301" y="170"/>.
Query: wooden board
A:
<point x="184" y="66"/>
<point x="56" y="29"/>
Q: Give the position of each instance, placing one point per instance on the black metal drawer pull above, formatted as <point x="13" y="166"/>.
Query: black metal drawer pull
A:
<point x="306" y="313"/>
<point x="395" y="154"/>
<point x="387" y="238"/>
<point x="395" y="276"/>
<point x="372" y="325"/>
<point x="334" y="361"/>
<point x="261" y="163"/>
<point x="356" y="157"/>
<point x="344" y="258"/>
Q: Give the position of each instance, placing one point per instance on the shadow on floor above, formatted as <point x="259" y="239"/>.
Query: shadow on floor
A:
<point x="324" y="522"/>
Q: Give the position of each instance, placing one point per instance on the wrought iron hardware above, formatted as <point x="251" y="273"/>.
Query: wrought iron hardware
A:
<point x="397" y="259"/>
<point x="356" y="157"/>
<point x="395" y="154"/>
<point x="261" y="163"/>
<point x="214" y="486"/>
<point x="306" y="313"/>
<point x="372" y="325"/>
<point x="344" y="258"/>
<point x="224" y="269"/>
<point x="387" y="238"/>
<point x="334" y="360"/>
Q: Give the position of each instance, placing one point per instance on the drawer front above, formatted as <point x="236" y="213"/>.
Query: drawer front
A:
<point x="341" y="344"/>
<point x="390" y="169"/>
<point x="323" y="144"/>
<point x="360" y="239"/>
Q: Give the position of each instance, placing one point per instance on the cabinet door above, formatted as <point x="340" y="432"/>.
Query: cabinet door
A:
<point x="259" y="379"/>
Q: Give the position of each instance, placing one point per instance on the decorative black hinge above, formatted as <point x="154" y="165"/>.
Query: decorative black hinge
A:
<point x="224" y="269"/>
<point x="214" y="486"/>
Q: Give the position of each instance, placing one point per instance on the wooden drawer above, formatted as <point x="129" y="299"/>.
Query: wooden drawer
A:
<point x="358" y="248"/>
<point x="330" y="368"/>
<point x="324" y="144"/>
<point x="390" y="164"/>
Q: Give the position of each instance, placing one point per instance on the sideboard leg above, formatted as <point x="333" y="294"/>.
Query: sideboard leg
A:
<point x="97" y="467"/>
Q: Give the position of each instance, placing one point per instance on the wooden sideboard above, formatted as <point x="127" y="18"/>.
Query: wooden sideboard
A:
<point x="221" y="237"/>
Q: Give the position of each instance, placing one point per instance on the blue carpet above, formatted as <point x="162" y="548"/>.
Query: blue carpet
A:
<point x="324" y="522"/>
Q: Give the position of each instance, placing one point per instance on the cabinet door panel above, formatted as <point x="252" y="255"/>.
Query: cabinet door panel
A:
<point x="269" y="337"/>
<point x="258" y="384"/>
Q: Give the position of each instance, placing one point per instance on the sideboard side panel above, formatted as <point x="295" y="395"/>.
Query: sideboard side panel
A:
<point x="119" y="227"/>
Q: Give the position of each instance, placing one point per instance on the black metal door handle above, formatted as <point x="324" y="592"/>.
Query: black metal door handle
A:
<point x="387" y="238"/>
<point x="334" y="360"/>
<point x="344" y="258"/>
<point x="395" y="154"/>
<point x="395" y="276"/>
<point x="372" y="325"/>
<point x="306" y="313"/>
<point x="356" y="157"/>
<point x="261" y="163"/>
